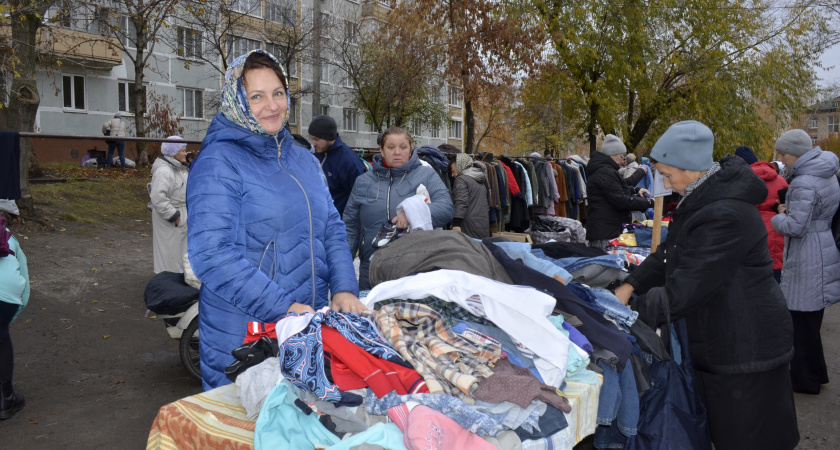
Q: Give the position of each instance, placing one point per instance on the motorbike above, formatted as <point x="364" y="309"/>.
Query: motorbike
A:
<point x="170" y="299"/>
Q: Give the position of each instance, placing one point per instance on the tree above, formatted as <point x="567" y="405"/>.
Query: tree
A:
<point x="631" y="68"/>
<point x="137" y="24"/>
<point x="393" y="70"/>
<point x="20" y="57"/>
<point x="483" y="35"/>
<point x="163" y="121"/>
<point x="495" y="125"/>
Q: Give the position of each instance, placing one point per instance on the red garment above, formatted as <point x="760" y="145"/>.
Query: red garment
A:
<point x="513" y="186"/>
<point x="354" y="368"/>
<point x="256" y="330"/>
<point x="774" y="182"/>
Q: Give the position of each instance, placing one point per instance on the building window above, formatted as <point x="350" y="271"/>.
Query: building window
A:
<point x="281" y="11"/>
<point x="417" y="127"/>
<point x="293" y="105"/>
<point x="126" y="91"/>
<point x="250" y="7"/>
<point x="813" y="123"/>
<point x="130" y="32"/>
<point x="189" y="42"/>
<point x="372" y="128"/>
<point x="191" y="103"/>
<point x="325" y="110"/>
<point x="813" y="141"/>
<point x="283" y="55"/>
<point x="435" y="132"/>
<point x="455" y="129"/>
<point x="238" y="46"/>
<point x="74" y="91"/>
<point x="325" y="64"/>
<point x="350" y="120"/>
<point x="351" y="32"/>
<point x="455" y="96"/>
<point x="833" y="124"/>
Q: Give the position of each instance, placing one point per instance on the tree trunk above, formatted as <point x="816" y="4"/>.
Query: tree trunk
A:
<point x="592" y="128"/>
<point x="19" y="115"/>
<point x="316" y="61"/>
<point x="469" y="118"/>
<point x="140" y="112"/>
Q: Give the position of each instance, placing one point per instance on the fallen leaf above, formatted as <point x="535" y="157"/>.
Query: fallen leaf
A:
<point x="64" y="320"/>
<point x="144" y="235"/>
<point x="119" y="382"/>
<point x="110" y="262"/>
<point x="93" y="270"/>
<point x="25" y="238"/>
<point x="33" y="421"/>
<point x="106" y="336"/>
<point x="32" y="282"/>
<point x="95" y="301"/>
<point x="43" y="309"/>
<point x="63" y="229"/>
<point x="96" y="284"/>
<point x="152" y="317"/>
<point x="100" y="310"/>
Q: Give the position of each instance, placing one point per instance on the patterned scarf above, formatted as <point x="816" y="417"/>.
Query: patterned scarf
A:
<point x="694" y="184"/>
<point x="235" y="100"/>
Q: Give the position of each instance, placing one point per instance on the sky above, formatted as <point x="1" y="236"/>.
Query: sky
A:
<point x="831" y="57"/>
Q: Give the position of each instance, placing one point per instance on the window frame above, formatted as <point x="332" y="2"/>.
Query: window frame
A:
<point x="197" y="37"/>
<point x="350" y="115"/>
<point x="293" y="115"/>
<point x="255" y="6"/>
<point x="456" y="94"/>
<point x="813" y="123"/>
<point x="125" y="87"/>
<point x="833" y="124"/>
<point x="197" y="103"/>
<point x="273" y="6"/>
<point x="459" y="128"/>
<point x="235" y="41"/>
<point x="72" y="91"/>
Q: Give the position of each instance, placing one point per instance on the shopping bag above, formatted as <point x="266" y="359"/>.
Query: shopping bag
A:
<point x="671" y="415"/>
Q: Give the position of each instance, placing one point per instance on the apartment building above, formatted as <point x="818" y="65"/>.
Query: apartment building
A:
<point x="87" y="77"/>
<point x="823" y="120"/>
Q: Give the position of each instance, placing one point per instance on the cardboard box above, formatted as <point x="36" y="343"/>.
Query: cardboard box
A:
<point x="516" y="237"/>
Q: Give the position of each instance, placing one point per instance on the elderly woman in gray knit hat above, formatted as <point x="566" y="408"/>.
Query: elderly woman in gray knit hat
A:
<point x="470" y="197"/>
<point x="169" y="205"/>
<point x="811" y="271"/>
<point x="715" y="272"/>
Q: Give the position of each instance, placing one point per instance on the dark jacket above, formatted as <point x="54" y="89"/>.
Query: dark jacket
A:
<point x="716" y="272"/>
<point x="472" y="204"/>
<point x="341" y="166"/>
<point x="375" y="198"/>
<point x="610" y="198"/>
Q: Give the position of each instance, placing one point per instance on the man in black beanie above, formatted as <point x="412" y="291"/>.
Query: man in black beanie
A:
<point x="341" y="165"/>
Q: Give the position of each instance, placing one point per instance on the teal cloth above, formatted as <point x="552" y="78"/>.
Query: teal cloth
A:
<point x="281" y="424"/>
<point x="575" y="367"/>
<point x="385" y="435"/>
<point x="14" y="277"/>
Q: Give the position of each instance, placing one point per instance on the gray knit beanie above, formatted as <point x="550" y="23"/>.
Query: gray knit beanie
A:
<point x="463" y="162"/>
<point x="685" y="145"/>
<point x="794" y="142"/>
<point x="612" y="145"/>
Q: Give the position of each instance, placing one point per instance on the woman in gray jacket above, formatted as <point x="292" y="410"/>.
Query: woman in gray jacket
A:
<point x="811" y="272"/>
<point x="469" y="194"/>
<point x="391" y="185"/>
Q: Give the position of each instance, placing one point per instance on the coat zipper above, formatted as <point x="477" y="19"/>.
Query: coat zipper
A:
<point x="311" y="231"/>
<point x="388" y="197"/>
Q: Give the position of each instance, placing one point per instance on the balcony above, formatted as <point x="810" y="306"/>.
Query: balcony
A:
<point x="376" y="9"/>
<point x="86" y="49"/>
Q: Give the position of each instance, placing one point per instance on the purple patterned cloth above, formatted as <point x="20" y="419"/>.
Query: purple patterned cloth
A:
<point x="5" y="235"/>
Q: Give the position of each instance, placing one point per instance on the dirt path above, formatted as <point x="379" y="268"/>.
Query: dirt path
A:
<point x="86" y="391"/>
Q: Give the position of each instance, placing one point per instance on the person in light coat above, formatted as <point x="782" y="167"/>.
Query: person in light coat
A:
<point x="169" y="206"/>
<point x="115" y="127"/>
<point x="811" y="272"/>
<point x="14" y="294"/>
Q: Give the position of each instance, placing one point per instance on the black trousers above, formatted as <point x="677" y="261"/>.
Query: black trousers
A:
<point x="7" y="356"/>
<point x="750" y="411"/>
<point x="807" y="370"/>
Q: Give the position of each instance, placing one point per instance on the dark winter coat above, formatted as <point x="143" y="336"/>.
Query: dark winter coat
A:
<point x="611" y="198"/>
<point x="716" y="272"/>
<point x="341" y="166"/>
<point x="811" y="275"/>
<point x="472" y="204"/>
<point x="774" y="182"/>
<point x="375" y="198"/>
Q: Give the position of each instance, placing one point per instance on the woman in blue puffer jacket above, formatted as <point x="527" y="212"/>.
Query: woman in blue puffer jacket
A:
<point x="386" y="192"/>
<point x="264" y="236"/>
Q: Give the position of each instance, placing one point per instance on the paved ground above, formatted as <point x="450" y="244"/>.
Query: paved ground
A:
<point x="95" y="371"/>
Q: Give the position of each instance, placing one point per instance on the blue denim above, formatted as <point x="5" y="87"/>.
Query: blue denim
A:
<point x="644" y="236"/>
<point x="522" y="252"/>
<point x="606" y="303"/>
<point x="468" y="417"/>
<point x="609" y="436"/>
<point x="619" y="399"/>
<point x="120" y="146"/>
<point x="574" y="263"/>
<point x="514" y="416"/>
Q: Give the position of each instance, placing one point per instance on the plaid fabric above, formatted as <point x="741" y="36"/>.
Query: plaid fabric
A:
<point x="447" y="361"/>
<point x="450" y="311"/>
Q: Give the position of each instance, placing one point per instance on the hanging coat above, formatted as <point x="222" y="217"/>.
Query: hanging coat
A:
<point x="774" y="182"/>
<point x="169" y="203"/>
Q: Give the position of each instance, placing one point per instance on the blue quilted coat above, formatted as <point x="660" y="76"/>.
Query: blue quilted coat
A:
<point x="263" y="231"/>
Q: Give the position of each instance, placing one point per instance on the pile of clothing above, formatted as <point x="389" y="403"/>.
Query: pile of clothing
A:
<point x="466" y="344"/>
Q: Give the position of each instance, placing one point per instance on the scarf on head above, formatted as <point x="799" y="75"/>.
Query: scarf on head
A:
<point x="235" y="100"/>
<point x="5" y="235"/>
<point x="463" y="162"/>
<point x="694" y="184"/>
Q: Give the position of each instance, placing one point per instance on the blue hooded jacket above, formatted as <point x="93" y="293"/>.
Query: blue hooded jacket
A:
<point x="263" y="230"/>
<point x="341" y="166"/>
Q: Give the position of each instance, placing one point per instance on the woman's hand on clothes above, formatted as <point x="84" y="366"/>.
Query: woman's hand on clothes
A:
<point x="456" y="228"/>
<point x="624" y="292"/>
<point x="782" y="208"/>
<point x="347" y="302"/>
<point x="644" y="192"/>
<point x="300" y="308"/>
<point x="177" y="221"/>
<point x="401" y="221"/>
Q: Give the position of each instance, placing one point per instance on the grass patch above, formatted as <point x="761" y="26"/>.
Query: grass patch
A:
<point x="94" y="201"/>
